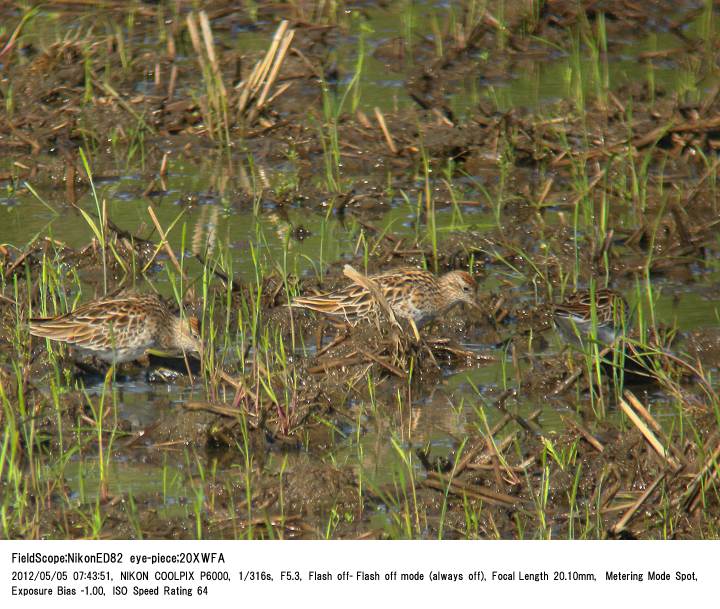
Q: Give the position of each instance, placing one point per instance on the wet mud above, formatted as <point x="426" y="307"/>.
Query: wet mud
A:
<point x="168" y="150"/>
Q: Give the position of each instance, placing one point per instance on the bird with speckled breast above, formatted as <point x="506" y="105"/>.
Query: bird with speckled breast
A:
<point x="575" y="316"/>
<point x="122" y="328"/>
<point x="411" y="293"/>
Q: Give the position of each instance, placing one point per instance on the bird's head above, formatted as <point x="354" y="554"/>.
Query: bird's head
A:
<point x="187" y="336"/>
<point x="459" y="286"/>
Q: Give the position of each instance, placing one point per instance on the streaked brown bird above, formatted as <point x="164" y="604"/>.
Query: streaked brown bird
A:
<point x="575" y="316"/>
<point x="122" y="328"/>
<point x="411" y="293"/>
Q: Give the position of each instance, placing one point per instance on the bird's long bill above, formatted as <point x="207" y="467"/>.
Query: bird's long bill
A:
<point x="474" y="305"/>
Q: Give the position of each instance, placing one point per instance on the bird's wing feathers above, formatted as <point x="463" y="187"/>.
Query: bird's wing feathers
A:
<point x="352" y="301"/>
<point x="98" y="324"/>
<point x="355" y="301"/>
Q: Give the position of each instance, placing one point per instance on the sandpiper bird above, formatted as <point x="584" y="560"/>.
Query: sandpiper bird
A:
<point x="122" y="328"/>
<point x="412" y="294"/>
<point x="575" y="317"/>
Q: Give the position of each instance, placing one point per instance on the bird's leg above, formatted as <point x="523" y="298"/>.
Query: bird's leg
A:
<point x="187" y="367"/>
<point x="84" y="368"/>
<point x="341" y="336"/>
<point x="110" y="374"/>
<point x="319" y="333"/>
<point x="427" y="348"/>
<point x="397" y="346"/>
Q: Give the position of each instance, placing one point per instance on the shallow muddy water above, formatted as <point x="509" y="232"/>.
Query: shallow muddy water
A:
<point x="304" y="192"/>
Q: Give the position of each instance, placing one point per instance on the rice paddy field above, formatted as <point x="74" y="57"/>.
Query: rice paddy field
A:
<point x="233" y="156"/>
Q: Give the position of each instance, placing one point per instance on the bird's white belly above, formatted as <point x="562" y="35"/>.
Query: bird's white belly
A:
<point x="118" y="356"/>
<point x="407" y="310"/>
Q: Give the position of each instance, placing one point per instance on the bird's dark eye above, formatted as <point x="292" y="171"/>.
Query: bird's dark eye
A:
<point x="466" y="288"/>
